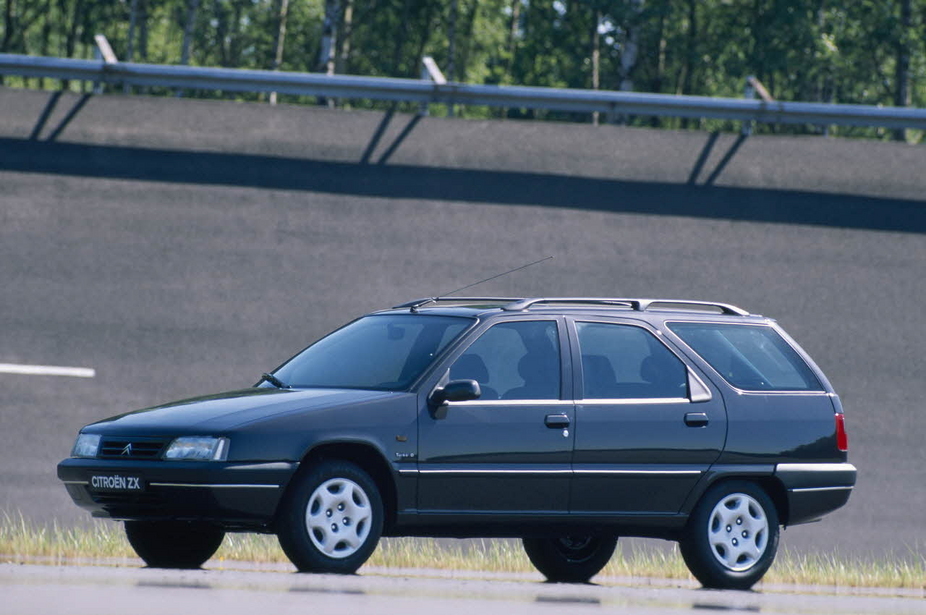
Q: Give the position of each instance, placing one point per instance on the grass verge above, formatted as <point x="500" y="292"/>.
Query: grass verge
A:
<point x="104" y="542"/>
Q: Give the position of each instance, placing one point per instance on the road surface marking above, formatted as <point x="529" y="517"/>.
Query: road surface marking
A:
<point x="47" y="370"/>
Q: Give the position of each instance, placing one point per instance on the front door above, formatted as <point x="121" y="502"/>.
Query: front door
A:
<point x="508" y="452"/>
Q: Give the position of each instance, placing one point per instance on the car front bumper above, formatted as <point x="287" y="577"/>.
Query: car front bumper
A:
<point x="815" y="489"/>
<point x="233" y="495"/>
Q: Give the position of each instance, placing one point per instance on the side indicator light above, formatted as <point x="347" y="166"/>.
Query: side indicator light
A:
<point x="842" y="438"/>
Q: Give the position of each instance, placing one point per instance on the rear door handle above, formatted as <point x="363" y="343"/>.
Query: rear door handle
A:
<point x="556" y="421"/>
<point x="696" y="419"/>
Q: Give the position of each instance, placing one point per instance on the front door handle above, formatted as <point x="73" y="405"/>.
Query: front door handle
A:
<point x="556" y="421"/>
<point x="696" y="419"/>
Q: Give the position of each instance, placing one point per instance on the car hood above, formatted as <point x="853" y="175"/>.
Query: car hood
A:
<point x="225" y="411"/>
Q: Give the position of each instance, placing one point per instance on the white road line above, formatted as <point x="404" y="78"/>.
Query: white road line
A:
<point x="47" y="370"/>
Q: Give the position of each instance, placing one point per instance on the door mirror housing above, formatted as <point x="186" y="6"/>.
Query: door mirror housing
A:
<point x="455" y="390"/>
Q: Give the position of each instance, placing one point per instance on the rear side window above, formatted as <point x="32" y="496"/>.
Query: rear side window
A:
<point x="627" y="362"/>
<point x="750" y="357"/>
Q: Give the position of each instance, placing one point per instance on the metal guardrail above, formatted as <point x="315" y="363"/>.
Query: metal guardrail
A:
<point x="611" y="103"/>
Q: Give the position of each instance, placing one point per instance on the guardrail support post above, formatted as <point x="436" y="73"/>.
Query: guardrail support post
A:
<point x="103" y="51"/>
<point x="611" y="115"/>
<point x="431" y="72"/>
<point x="749" y="94"/>
<point x="753" y="87"/>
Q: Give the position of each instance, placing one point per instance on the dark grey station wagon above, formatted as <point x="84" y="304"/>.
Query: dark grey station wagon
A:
<point x="565" y="422"/>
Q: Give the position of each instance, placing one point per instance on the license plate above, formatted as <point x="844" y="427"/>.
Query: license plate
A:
<point x="116" y="482"/>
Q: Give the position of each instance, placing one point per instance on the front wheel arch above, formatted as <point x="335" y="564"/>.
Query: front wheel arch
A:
<point x="362" y="454"/>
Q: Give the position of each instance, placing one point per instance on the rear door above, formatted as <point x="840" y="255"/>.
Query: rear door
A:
<point x="641" y="442"/>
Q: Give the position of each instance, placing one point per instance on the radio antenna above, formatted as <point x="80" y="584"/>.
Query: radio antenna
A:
<point x="495" y="276"/>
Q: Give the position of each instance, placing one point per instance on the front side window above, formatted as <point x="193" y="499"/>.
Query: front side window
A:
<point x="513" y="360"/>
<point x="628" y="362"/>
<point x="383" y="352"/>
<point x="749" y="357"/>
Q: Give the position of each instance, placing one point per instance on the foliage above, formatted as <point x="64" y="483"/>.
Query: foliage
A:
<point x="802" y="50"/>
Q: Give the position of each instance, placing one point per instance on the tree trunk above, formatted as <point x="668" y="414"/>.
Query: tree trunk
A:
<point x="452" y="47"/>
<point x="347" y="31"/>
<point x="143" y="31"/>
<point x="280" y="40"/>
<point x="70" y="44"/>
<point x="691" y="53"/>
<point x="513" y="35"/>
<point x="329" y="37"/>
<point x="902" y="78"/>
<point x="281" y="33"/>
<point x="9" y="25"/>
<point x="631" y="48"/>
<point x="221" y="33"/>
<point x="452" y="41"/>
<point x="596" y="58"/>
<point x="234" y="37"/>
<point x="46" y="41"/>
<point x="659" y="76"/>
<point x="133" y="20"/>
<point x="467" y="41"/>
<point x="401" y="37"/>
<point x="192" y="7"/>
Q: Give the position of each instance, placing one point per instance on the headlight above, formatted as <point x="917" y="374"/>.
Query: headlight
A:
<point x="87" y="445"/>
<point x="198" y="448"/>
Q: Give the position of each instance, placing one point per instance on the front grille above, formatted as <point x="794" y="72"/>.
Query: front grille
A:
<point x="131" y="448"/>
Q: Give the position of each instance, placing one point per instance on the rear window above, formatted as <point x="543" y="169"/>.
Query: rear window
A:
<point x="749" y="357"/>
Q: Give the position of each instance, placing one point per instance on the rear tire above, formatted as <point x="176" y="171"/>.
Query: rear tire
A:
<point x="332" y="519"/>
<point x="570" y="558"/>
<point x="173" y="544"/>
<point x="732" y="536"/>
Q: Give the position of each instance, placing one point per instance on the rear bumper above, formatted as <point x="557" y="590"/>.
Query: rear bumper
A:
<point x="233" y="495"/>
<point x="815" y="489"/>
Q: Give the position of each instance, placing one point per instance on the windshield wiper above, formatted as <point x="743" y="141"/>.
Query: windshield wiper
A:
<point x="273" y="380"/>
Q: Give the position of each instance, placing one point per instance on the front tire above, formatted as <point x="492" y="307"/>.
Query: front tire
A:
<point x="332" y="519"/>
<point x="732" y="536"/>
<point x="570" y="559"/>
<point x="173" y="544"/>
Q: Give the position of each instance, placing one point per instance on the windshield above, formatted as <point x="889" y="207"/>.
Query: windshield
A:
<point x="382" y="352"/>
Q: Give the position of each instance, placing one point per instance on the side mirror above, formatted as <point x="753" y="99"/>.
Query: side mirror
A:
<point x="455" y="390"/>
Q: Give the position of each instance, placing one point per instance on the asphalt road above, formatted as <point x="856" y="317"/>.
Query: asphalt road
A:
<point x="38" y="590"/>
<point x="183" y="247"/>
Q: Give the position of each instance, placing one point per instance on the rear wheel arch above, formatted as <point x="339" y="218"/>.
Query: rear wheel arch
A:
<point x="367" y="457"/>
<point x="778" y="494"/>
<point x="772" y="486"/>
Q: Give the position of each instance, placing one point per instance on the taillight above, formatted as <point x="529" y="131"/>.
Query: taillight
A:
<point x="842" y="438"/>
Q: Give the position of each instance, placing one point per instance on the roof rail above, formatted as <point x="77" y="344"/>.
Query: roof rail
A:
<point x="523" y="304"/>
<point x="639" y="305"/>
<point x="417" y="303"/>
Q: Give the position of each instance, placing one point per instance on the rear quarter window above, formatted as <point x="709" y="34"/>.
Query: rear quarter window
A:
<point x="749" y="357"/>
